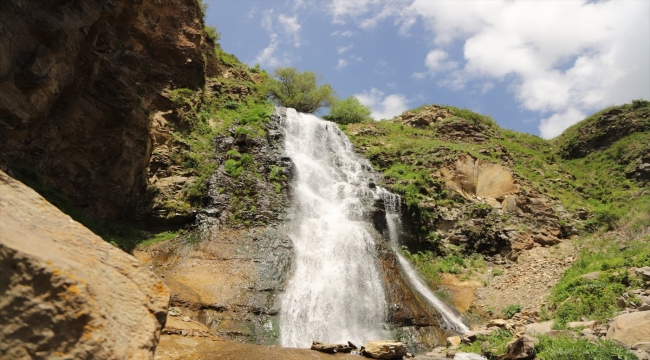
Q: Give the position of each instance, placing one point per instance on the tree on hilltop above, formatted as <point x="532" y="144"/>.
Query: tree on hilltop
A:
<point x="348" y="111"/>
<point x="299" y="90"/>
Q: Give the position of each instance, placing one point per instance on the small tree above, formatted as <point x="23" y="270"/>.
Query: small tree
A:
<point x="299" y="90"/>
<point x="347" y="111"/>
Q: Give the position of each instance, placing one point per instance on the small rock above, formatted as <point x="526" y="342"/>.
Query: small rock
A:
<point x="539" y="328"/>
<point x="521" y="347"/>
<point x="586" y="324"/>
<point x="186" y="319"/>
<point x="644" y="272"/>
<point x="591" y="276"/>
<point x="453" y="341"/>
<point x="174" y="311"/>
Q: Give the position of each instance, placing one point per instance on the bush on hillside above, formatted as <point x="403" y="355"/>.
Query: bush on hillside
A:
<point x="348" y="111"/>
<point x="299" y="90"/>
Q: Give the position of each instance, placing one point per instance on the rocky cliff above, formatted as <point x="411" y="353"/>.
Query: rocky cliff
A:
<point x="79" y="85"/>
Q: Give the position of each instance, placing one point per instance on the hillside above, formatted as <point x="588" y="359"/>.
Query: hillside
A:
<point x="169" y="148"/>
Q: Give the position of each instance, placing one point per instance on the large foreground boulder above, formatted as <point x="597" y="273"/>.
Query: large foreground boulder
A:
<point x="66" y="293"/>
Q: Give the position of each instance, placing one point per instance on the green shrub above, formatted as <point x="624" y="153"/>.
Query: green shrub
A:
<point x="510" y="310"/>
<point x="233" y="167"/>
<point x="347" y="111"/>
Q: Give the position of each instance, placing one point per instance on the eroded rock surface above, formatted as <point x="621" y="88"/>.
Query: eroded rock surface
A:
<point x="66" y="292"/>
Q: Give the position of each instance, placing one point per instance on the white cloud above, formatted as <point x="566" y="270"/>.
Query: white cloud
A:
<point x="554" y="125"/>
<point x="267" y="20"/>
<point x="346" y="33"/>
<point x="566" y="58"/>
<point x="436" y="61"/>
<point x="343" y="49"/>
<point x="267" y="56"/>
<point x="383" y="107"/>
<point x="291" y="27"/>
<point x="352" y="59"/>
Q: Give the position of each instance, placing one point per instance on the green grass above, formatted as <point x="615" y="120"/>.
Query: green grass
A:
<point x="510" y="310"/>
<point x="574" y="297"/>
<point x="491" y="345"/>
<point x="430" y="265"/>
<point x="567" y="348"/>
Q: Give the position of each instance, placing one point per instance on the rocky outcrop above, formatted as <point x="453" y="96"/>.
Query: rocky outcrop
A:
<point x="473" y="178"/>
<point x="79" y="82"/>
<point x="68" y="293"/>
<point x="603" y="130"/>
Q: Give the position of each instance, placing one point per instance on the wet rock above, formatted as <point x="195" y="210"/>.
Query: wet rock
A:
<point x="384" y="349"/>
<point x="65" y="290"/>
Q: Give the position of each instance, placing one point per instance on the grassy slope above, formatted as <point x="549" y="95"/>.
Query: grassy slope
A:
<point x="595" y="182"/>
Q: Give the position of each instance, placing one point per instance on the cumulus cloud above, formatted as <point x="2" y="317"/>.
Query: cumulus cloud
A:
<point x="277" y="25"/>
<point x="566" y="58"/>
<point x="383" y="107"/>
<point x="554" y="125"/>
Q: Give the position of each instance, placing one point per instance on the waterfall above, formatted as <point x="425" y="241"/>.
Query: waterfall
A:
<point x="336" y="292"/>
<point x="449" y="319"/>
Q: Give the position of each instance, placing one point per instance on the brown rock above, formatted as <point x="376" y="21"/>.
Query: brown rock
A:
<point x="453" y="341"/>
<point x="384" y="349"/>
<point x="66" y="291"/>
<point x="539" y="328"/>
<point x="520" y="348"/>
<point x="630" y="328"/>
<point x="587" y="324"/>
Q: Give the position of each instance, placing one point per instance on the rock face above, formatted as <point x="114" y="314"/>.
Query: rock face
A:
<point x="66" y="291"/>
<point x="78" y="82"/>
<point x="630" y="328"/>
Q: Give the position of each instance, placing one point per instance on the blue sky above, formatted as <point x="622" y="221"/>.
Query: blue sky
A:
<point x="534" y="66"/>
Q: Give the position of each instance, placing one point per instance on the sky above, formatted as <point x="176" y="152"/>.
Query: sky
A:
<point x="534" y="66"/>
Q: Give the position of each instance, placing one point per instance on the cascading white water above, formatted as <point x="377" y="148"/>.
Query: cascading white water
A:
<point x="336" y="292"/>
<point x="450" y="320"/>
